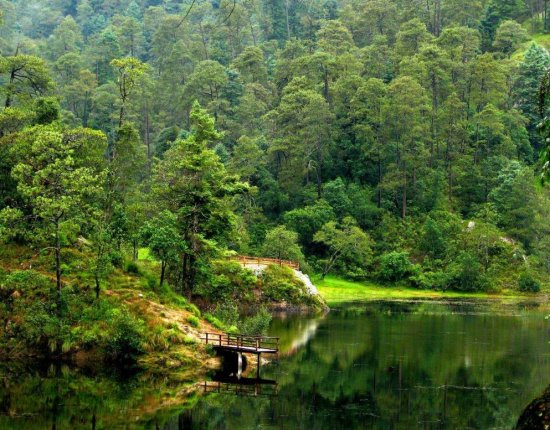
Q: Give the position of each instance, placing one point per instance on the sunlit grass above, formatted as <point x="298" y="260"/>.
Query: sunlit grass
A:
<point x="338" y="290"/>
<point x="145" y="254"/>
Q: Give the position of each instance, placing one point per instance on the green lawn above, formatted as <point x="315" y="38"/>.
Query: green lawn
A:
<point x="337" y="290"/>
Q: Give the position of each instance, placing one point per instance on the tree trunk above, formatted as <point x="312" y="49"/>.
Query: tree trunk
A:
<point x="287" y="20"/>
<point x="97" y="286"/>
<point x="404" y="196"/>
<point x="58" y="345"/>
<point x="162" y="272"/>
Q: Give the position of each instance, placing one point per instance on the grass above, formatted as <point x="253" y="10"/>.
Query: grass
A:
<point x="337" y="290"/>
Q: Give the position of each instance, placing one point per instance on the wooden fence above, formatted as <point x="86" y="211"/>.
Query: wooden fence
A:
<point x="266" y="261"/>
<point x="239" y="342"/>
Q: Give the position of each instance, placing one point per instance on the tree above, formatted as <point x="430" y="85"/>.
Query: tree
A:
<point x="508" y="37"/>
<point x="162" y="237"/>
<point x="59" y="176"/>
<point x="309" y="219"/>
<point x="130" y="70"/>
<point x="346" y="243"/>
<point x="301" y="128"/>
<point x="65" y="38"/>
<point x="24" y="76"/>
<point x="193" y="184"/>
<point x="411" y="36"/>
<point x="515" y="202"/>
<point x="496" y="12"/>
<point x="282" y="244"/>
<point x="526" y="87"/>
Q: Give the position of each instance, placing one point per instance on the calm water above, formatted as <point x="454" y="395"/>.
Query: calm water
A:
<point x="376" y="365"/>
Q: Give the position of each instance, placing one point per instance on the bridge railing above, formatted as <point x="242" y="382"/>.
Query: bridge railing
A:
<point x="261" y="260"/>
<point x="255" y="343"/>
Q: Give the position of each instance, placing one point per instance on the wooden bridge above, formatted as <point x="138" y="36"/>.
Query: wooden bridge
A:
<point x="237" y="344"/>
<point x="260" y="261"/>
<point x="242" y="343"/>
<point x="254" y="387"/>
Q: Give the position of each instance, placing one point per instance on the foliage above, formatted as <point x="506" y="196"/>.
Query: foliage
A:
<point x="257" y="324"/>
<point x="346" y="135"/>
<point x="193" y="321"/>
<point x="395" y="266"/>
<point x="346" y="244"/>
<point x="126" y="340"/>
<point x="282" y="244"/>
<point x="528" y="284"/>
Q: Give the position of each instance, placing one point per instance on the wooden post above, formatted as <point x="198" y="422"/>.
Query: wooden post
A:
<point x="207" y="338"/>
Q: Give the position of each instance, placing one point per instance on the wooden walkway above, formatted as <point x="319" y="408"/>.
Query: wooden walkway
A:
<point x="242" y="343"/>
<point x="260" y="261"/>
<point x="254" y="387"/>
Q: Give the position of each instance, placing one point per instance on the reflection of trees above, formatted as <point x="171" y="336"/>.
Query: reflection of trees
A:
<point x="61" y="398"/>
<point x="384" y="369"/>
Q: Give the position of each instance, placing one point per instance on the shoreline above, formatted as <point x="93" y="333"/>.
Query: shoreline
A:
<point x="336" y="290"/>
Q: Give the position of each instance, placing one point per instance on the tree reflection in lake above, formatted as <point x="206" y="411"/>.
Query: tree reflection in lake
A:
<point x="400" y="366"/>
<point x="379" y="365"/>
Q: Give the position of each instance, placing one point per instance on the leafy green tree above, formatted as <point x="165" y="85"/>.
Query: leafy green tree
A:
<point x="433" y="242"/>
<point x="24" y="77"/>
<point x="130" y="70"/>
<point x="59" y="175"/>
<point x="67" y="37"/>
<point x="308" y="220"/>
<point x="192" y="183"/>
<point x="162" y="237"/>
<point x="301" y="135"/>
<point x="508" y="37"/>
<point x="394" y="266"/>
<point x="282" y="243"/>
<point x="410" y="38"/>
<point x="515" y="201"/>
<point x="526" y="87"/>
<point x="346" y="243"/>
<point x="495" y="13"/>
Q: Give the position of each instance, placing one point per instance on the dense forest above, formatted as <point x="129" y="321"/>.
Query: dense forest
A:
<point x="396" y="141"/>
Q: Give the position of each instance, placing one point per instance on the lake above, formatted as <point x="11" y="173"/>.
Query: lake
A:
<point x="377" y="365"/>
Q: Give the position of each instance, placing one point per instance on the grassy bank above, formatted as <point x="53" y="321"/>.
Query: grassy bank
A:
<point x="338" y="290"/>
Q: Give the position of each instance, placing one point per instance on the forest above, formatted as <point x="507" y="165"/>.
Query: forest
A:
<point x="400" y="142"/>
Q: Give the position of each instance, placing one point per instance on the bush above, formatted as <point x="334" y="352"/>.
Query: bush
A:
<point x="214" y="321"/>
<point x="395" y="266"/>
<point x="193" y="321"/>
<point x="227" y="312"/>
<point x="528" y="284"/>
<point x="256" y="325"/>
<point x="466" y="274"/>
<point x="279" y="283"/>
<point x="125" y="342"/>
<point x="432" y="280"/>
<point x="132" y="267"/>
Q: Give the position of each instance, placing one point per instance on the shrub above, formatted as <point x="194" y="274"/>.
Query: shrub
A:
<point x="116" y="258"/>
<point x="256" y="325"/>
<point x="466" y="274"/>
<point x="132" y="267"/>
<point x="214" y="321"/>
<point x="436" y="280"/>
<point x="395" y="266"/>
<point x="125" y="342"/>
<point x="193" y="321"/>
<point x="528" y="284"/>
<point x="279" y="283"/>
<point x="227" y="312"/>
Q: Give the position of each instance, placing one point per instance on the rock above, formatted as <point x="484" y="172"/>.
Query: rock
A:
<point x="537" y="415"/>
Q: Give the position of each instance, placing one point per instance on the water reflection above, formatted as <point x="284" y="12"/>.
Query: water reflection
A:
<point x="384" y="366"/>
